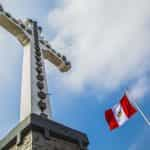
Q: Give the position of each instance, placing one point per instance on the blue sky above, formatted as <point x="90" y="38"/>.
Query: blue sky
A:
<point x="108" y="45"/>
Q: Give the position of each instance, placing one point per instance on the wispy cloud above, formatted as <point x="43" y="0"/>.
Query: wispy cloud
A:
<point x="140" y="89"/>
<point x="107" y="41"/>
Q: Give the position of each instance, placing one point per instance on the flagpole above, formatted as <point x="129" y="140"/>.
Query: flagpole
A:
<point x="140" y="111"/>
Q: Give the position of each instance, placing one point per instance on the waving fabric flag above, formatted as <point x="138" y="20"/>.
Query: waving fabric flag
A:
<point x="120" y="113"/>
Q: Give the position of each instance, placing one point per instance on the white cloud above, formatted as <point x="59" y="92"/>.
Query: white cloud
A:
<point x="140" y="89"/>
<point x="107" y="42"/>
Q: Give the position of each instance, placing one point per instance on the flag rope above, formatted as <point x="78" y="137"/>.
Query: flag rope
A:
<point x="139" y="109"/>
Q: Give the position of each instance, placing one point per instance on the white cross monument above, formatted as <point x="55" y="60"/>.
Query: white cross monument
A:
<point x="34" y="91"/>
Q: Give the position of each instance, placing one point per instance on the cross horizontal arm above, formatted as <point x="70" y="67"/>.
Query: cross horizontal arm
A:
<point x="15" y="27"/>
<point x="57" y="59"/>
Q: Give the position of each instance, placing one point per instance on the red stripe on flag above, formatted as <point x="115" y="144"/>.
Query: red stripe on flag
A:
<point x="128" y="108"/>
<point x="110" y="118"/>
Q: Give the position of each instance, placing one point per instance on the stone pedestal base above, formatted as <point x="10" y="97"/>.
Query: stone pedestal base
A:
<point x="38" y="133"/>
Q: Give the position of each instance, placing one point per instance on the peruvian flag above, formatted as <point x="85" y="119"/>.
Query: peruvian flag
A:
<point x="120" y="113"/>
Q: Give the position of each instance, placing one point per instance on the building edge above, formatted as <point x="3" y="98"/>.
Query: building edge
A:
<point x="47" y="129"/>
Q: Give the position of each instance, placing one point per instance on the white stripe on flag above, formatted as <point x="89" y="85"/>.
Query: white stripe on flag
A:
<point x="119" y="114"/>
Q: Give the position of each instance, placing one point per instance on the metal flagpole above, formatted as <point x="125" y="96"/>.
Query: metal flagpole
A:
<point x="140" y="111"/>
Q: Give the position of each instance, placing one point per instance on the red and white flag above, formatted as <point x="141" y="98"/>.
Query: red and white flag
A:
<point x="120" y="113"/>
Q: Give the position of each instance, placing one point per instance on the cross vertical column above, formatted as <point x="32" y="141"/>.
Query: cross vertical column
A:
<point x="34" y="93"/>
